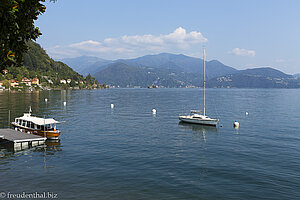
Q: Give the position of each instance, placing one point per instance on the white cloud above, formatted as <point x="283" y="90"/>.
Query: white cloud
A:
<point x="242" y="52"/>
<point x="130" y="46"/>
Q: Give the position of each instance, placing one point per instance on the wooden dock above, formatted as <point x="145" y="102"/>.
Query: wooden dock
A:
<point x="21" y="140"/>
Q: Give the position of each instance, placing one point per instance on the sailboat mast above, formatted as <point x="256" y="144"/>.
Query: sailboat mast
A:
<point x="204" y="81"/>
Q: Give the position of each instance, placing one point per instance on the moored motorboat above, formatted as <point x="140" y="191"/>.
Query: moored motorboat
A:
<point x="45" y="127"/>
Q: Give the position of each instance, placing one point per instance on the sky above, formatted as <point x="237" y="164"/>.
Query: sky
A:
<point x="239" y="33"/>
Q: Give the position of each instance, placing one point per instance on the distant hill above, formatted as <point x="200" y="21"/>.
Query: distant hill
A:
<point x="178" y="70"/>
<point x="124" y="75"/>
<point x="163" y="60"/>
<point x="297" y="75"/>
<point x="256" y="78"/>
<point x="37" y="64"/>
<point x="166" y="70"/>
<point x="85" y="64"/>
<point x="186" y="63"/>
<point x="170" y="70"/>
<point x="265" y="72"/>
<point x="38" y="61"/>
<point x="121" y="74"/>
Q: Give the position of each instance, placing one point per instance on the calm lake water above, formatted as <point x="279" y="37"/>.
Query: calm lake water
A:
<point x="129" y="153"/>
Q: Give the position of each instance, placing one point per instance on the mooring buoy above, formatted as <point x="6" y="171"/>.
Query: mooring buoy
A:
<point x="154" y="111"/>
<point x="236" y="124"/>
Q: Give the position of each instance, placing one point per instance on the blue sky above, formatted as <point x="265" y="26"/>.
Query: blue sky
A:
<point x="242" y="34"/>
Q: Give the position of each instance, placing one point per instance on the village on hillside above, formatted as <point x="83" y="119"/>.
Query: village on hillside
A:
<point x="44" y="83"/>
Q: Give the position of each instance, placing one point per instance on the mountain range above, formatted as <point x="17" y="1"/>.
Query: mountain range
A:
<point x="85" y="64"/>
<point x="178" y="70"/>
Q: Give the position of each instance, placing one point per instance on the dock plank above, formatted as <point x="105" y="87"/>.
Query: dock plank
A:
<point x="16" y="136"/>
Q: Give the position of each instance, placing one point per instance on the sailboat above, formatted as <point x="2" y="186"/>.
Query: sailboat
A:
<point x="198" y="117"/>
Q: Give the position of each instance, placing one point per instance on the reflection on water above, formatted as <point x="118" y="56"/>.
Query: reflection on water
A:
<point x="50" y="148"/>
<point x="197" y="128"/>
<point x="53" y="143"/>
<point x="45" y="153"/>
<point x="53" y="146"/>
<point x="17" y="103"/>
<point x="236" y="130"/>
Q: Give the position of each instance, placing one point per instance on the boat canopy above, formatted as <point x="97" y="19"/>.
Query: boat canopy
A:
<point x="38" y="120"/>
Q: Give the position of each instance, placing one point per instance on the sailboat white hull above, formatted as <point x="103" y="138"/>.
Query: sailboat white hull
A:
<point x="195" y="118"/>
<point x="190" y="119"/>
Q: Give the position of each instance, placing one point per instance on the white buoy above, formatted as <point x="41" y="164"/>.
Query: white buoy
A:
<point x="247" y="113"/>
<point x="46" y="100"/>
<point x="154" y="111"/>
<point x="65" y="103"/>
<point x="236" y="124"/>
<point x="112" y="106"/>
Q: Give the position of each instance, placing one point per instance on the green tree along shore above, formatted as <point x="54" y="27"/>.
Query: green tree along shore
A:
<point x="17" y="28"/>
<point x="51" y="74"/>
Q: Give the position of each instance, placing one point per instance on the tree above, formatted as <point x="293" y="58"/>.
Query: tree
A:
<point x="19" y="77"/>
<point x="73" y="84"/>
<point x="16" y="28"/>
<point x="89" y="79"/>
<point x="6" y="84"/>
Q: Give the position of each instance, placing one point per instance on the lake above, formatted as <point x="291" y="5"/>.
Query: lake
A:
<point x="129" y="153"/>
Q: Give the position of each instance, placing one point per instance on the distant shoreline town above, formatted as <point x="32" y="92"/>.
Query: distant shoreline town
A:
<point x="7" y="82"/>
<point x="39" y="72"/>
